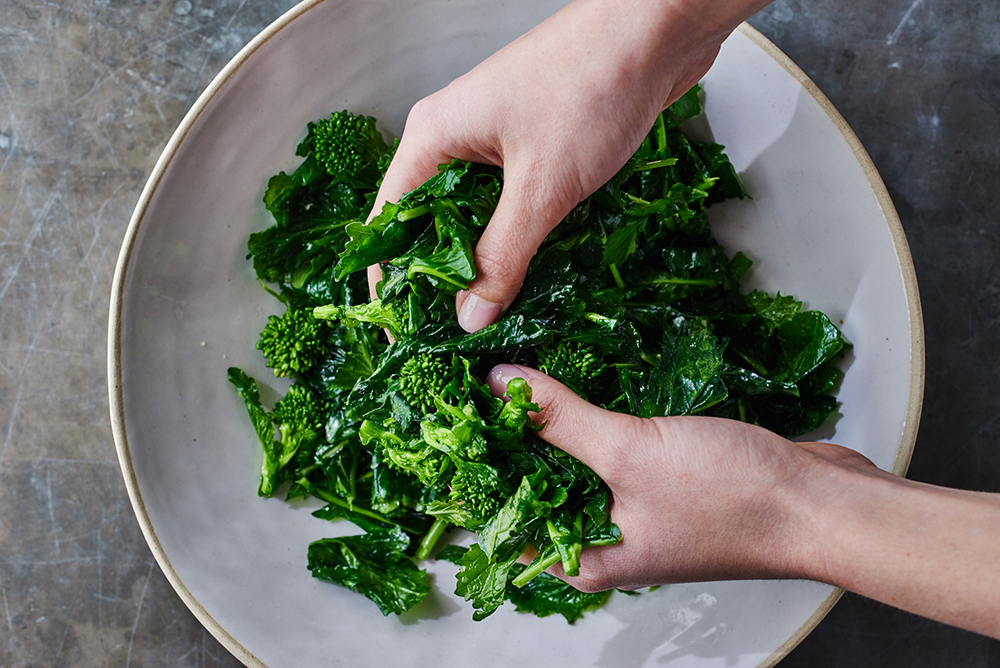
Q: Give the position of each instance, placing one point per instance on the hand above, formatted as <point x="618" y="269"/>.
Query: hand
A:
<point x="699" y="498"/>
<point x="696" y="498"/>
<point x="560" y="109"/>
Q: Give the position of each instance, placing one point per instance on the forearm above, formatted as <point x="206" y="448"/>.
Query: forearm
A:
<point x="929" y="550"/>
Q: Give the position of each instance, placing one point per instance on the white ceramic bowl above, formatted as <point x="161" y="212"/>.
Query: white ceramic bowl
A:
<point x="185" y="306"/>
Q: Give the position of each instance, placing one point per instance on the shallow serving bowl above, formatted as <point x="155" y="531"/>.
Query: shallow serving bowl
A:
<point x="185" y="306"/>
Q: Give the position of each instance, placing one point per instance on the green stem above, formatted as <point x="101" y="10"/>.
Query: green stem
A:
<point x="337" y="501"/>
<point x="666" y="162"/>
<point x="648" y="357"/>
<point x="617" y="275"/>
<point x="415" y="212"/>
<point x="270" y="291"/>
<point x="431" y="538"/>
<point x="535" y="568"/>
<point x="757" y="366"/>
<point x="660" y="128"/>
<point x="415" y="269"/>
<point x="705" y="282"/>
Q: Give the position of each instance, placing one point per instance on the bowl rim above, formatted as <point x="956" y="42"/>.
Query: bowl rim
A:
<point x="116" y="398"/>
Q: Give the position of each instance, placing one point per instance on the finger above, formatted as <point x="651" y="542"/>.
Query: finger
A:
<point x="599" y="438"/>
<point x="410" y="167"/>
<point x="523" y="218"/>
<point x="374" y="276"/>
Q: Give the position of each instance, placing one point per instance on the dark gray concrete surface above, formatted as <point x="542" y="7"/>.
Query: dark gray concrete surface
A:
<point x="90" y="91"/>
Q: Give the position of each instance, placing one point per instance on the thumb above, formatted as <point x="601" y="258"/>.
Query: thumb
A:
<point x="523" y="218"/>
<point x="599" y="438"/>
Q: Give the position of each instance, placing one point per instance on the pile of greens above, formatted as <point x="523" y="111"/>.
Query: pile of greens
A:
<point x="630" y="302"/>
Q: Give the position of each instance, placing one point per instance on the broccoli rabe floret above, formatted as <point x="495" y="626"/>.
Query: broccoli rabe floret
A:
<point x="425" y="376"/>
<point x="392" y="316"/>
<point x="294" y="342"/>
<point x="302" y="406"/>
<point x="348" y="145"/>
<point x="300" y="417"/>
<point x="475" y="486"/>
<point x="577" y="365"/>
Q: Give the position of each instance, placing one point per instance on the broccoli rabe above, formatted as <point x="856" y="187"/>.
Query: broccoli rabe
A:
<point x="577" y="365"/>
<point x="349" y="145"/>
<point x="294" y="342"/>
<point x="630" y="302"/>
<point x="426" y="376"/>
<point x="475" y="486"/>
<point x="301" y="407"/>
<point x="299" y="417"/>
<point x="391" y="316"/>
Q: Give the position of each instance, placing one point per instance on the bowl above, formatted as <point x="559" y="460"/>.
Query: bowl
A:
<point x="186" y="306"/>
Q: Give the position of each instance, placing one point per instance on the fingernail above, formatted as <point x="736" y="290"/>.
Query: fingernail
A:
<point x="476" y="313"/>
<point x="502" y="374"/>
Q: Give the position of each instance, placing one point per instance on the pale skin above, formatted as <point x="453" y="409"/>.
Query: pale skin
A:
<point x="696" y="498"/>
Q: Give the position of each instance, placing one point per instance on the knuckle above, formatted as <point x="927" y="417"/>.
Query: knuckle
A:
<point x="421" y="113"/>
<point x="426" y="120"/>
<point x="495" y="264"/>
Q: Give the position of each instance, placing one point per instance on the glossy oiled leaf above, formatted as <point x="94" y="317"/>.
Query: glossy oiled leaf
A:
<point x="374" y="564"/>
<point x="547" y="595"/>
<point x="807" y="340"/>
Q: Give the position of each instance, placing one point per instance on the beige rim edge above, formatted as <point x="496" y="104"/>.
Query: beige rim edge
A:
<point x="116" y="398"/>
<point x="114" y="326"/>
<point x="909" y="434"/>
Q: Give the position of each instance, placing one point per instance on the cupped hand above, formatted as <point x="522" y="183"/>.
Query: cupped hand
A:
<point x="560" y="109"/>
<point x="696" y="498"/>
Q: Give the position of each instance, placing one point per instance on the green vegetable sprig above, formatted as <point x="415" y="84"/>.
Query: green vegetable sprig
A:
<point x="630" y="302"/>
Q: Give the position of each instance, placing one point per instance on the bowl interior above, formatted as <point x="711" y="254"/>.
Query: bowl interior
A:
<point x="187" y="306"/>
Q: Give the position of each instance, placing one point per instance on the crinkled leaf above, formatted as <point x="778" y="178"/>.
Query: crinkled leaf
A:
<point x="374" y="564"/>
<point x="546" y="595"/>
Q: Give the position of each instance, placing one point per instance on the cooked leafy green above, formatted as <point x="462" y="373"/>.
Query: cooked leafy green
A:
<point x="374" y="564"/>
<point x="630" y="302"/>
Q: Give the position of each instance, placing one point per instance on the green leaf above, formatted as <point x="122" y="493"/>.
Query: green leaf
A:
<point x="414" y="456"/>
<point x="621" y="242"/>
<point x="687" y="106"/>
<point x="373" y="564"/>
<point x="808" y="339"/>
<point x="774" y="310"/>
<point x="482" y="580"/>
<point x="546" y="595"/>
<point x="453" y="265"/>
<point x="440" y="185"/>
<point x="687" y="380"/>
<point x="383" y="238"/>
<point x="275" y="455"/>
<point x="504" y="534"/>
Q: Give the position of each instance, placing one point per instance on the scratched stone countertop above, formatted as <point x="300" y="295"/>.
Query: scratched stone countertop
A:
<point x="90" y="91"/>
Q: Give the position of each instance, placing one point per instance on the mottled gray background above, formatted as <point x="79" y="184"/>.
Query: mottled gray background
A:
<point x="90" y="91"/>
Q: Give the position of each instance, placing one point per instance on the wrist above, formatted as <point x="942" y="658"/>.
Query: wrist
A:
<point x="928" y="550"/>
<point x="666" y="46"/>
<point x="816" y="508"/>
<point x="714" y="19"/>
